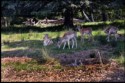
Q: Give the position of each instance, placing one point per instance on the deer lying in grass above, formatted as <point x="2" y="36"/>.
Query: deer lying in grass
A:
<point x="47" y="40"/>
<point x="29" y="22"/>
<point x="67" y="37"/>
<point x="85" y="31"/>
<point x="111" y="30"/>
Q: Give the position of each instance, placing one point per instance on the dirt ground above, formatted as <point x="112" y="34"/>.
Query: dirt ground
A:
<point x="110" y="71"/>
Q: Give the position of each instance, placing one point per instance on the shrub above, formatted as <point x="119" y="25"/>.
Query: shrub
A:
<point x="18" y="20"/>
<point x="92" y="55"/>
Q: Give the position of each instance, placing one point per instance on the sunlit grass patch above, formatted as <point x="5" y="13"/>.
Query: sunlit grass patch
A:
<point x="103" y="23"/>
<point x="121" y="58"/>
<point x="32" y="43"/>
<point x="6" y="48"/>
<point x="29" y="66"/>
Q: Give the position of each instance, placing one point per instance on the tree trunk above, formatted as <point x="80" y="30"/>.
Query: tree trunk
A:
<point x="85" y="15"/>
<point x="6" y="23"/>
<point x="104" y="16"/>
<point x="92" y="17"/>
<point x="68" y="17"/>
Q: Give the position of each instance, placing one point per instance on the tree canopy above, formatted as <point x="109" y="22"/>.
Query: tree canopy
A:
<point x="88" y="10"/>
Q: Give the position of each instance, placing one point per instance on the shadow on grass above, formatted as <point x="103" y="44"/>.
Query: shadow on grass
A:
<point x="20" y="53"/>
<point x="33" y="47"/>
<point x="26" y="29"/>
<point x="38" y="44"/>
<point x="26" y="43"/>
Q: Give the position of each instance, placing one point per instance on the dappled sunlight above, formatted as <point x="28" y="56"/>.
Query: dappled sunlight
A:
<point x="13" y="49"/>
<point x="46" y="25"/>
<point x="26" y="43"/>
<point x="103" y="23"/>
<point x="63" y="41"/>
<point x="23" y="53"/>
<point x="35" y="39"/>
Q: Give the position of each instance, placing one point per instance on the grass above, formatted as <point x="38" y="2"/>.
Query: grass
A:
<point x="103" y="23"/>
<point x="119" y="52"/>
<point x="30" y="44"/>
<point x="34" y="39"/>
<point x="34" y="65"/>
<point x="121" y="58"/>
<point x="37" y="64"/>
<point x="29" y="66"/>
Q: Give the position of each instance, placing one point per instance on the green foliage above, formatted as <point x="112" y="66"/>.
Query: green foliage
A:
<point x="42" y="9"/>
<point x="121" y="58"/>
<point x="29" y="66"/>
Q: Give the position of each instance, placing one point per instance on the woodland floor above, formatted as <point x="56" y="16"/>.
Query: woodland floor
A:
<point x="108" y="72"/>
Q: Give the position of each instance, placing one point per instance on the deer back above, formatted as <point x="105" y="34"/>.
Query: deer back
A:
<point x="111" y="29"/>
<point x="86" y="30"/>
<point x="68" y="34"/>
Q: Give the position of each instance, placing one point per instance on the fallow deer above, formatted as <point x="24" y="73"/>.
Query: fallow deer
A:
<point x="85" y="31"/>
<point x="67" y="37"/>
<point x="111" y="30"/>
<point x="47" y="40"/>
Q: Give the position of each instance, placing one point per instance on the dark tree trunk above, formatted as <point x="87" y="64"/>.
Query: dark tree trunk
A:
<point x="68" y="17"/>
<point x="92" y="17"/>
<point x="104" y="16"/>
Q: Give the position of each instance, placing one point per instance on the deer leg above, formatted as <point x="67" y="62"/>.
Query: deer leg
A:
<point x="72" y="43"/>
<point x="92" y="37"/>
<point x="108" y="37"/>
<point x="75" y="42"/>
<point x="45" y="43"/>
<point x="69" y="44"/>
<point x="64" y="45"/>
<point x="89" y="37"/>
<point x="51" y="42"/>
<point x="82" y="38"/>
<point x="116" y="37"/>
<point x="48" y="42"/>
<point x="60" y="45"/>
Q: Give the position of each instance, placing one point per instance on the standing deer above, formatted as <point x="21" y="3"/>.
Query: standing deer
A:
<point x="85" y="31"/>
<point x="67" y="37"/>
<point x="47" y="40"/>
<point x="111" y="30"/>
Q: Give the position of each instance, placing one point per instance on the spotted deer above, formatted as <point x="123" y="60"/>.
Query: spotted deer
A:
<point x="67" y="37"/>
<point x="111" y="31"/>
<point x="85" y="31"/>
<point x="47" y="40"/>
